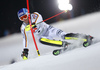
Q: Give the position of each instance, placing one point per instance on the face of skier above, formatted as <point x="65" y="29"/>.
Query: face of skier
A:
<point x="24" y="18"/>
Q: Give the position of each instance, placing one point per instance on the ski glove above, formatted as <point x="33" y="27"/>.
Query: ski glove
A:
<point x="27" y="28"/>
<point x="24" y="54"/>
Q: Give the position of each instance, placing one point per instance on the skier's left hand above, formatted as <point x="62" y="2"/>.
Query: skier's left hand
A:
<point x="24" y="54"/>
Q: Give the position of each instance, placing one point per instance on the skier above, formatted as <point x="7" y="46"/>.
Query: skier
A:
<point x="46" y="33"/>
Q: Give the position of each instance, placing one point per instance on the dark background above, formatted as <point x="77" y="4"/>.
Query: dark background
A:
<point x="9" y="22"/>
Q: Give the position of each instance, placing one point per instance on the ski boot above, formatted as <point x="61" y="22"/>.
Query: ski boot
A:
<point x="58" y="51"/>
<point x="88" y="42"/>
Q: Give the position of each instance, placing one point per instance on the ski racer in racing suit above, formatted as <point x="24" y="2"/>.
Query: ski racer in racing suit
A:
<point x="45" y="33"/>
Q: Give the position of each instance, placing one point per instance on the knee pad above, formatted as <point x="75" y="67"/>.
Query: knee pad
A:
<point x="50" y="42"/>
<point x="71" y="36"/>
<point x="75" y="36"/>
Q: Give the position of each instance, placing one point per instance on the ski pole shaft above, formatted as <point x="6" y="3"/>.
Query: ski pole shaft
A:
<point x="51" y="17"/>
<point x="32" y="29"/>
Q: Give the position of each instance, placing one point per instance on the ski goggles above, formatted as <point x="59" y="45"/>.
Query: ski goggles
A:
<point x="23" y="17"/>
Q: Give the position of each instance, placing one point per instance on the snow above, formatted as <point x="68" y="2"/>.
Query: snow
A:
<point x="77" y="59"/>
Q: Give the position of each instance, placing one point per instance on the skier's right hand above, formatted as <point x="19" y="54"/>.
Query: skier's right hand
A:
<point x="27" y="28"/>
<point x="24" y="54"/>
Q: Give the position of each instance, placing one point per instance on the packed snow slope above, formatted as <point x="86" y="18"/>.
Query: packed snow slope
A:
<point x="77" y="59"/>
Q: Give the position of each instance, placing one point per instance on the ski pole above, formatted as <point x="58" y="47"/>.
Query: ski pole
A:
<point x="32" y="29"/>
<point x="27" y="27"/>
<point x="51" y="17"/>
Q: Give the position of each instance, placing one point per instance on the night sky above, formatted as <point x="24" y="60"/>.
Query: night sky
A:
<point x="47" y="8"/>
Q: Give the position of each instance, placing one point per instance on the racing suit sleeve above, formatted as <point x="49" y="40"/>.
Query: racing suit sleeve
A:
<point x="25" y="37"/>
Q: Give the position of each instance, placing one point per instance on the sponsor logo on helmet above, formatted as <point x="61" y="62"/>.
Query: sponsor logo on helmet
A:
<point x="20" y="14"/>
